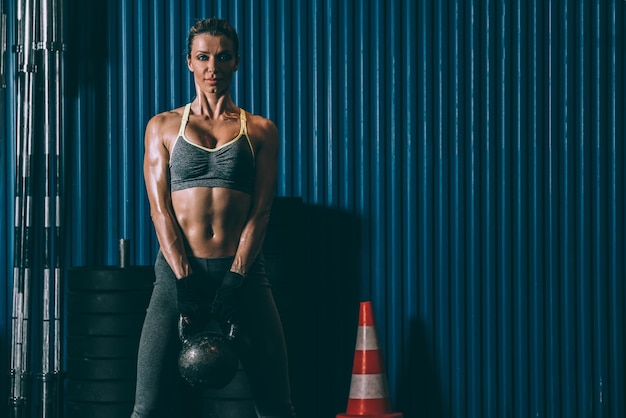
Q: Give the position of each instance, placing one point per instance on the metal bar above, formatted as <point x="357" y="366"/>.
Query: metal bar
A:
<point x="15" y="401"/>
<point x="23" y="272"/>
<point x="3" y="47"/>
<point x="48" y="143"/>
<point x="57" y="47"/>
<point x="20" y="374"/>
<point x="53" y="48"/>
<point x="27" y="243"/>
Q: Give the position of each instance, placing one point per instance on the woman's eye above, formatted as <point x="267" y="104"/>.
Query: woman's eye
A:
<point x="224" y="57"/>
<point x="202" y="58"/>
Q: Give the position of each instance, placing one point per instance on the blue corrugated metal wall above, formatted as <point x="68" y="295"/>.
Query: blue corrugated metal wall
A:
<point x="478" y="147"/>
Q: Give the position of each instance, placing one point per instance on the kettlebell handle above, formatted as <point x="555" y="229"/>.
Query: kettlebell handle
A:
<point x="231" y="330"/>
<point x="182" y="335"/>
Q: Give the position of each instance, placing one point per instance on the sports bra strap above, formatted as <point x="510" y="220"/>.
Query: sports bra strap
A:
<point x="244" y="129"/>
<point x="244" y="124"/>
<point x="184" y="120"/>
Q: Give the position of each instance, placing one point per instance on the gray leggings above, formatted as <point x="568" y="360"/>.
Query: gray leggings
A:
<point x="261" y="348"/>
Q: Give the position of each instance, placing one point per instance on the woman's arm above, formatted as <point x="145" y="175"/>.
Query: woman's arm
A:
<point x="266" y="163"/>
<point x="155" y="170"/>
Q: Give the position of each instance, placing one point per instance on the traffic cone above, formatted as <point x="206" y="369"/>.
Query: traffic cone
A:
<point x="369" y="394"/>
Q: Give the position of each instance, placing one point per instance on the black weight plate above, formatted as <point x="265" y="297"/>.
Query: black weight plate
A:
<point x="109" y="302"/>
<point x="105" y="325"/>
<point x="100" y="391"/>
<point x="110" y="278"/>
<point x="102" y="347"/>
<point x="99" y="410"/>
<point x="101" y="369"/>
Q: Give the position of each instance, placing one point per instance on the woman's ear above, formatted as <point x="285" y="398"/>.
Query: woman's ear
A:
<point x="188" y="58"/>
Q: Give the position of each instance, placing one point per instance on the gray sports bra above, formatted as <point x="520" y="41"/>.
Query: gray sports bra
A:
<point x="230" y="165"/>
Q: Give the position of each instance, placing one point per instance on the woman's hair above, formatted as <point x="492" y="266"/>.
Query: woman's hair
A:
<point x="214" y="27"/>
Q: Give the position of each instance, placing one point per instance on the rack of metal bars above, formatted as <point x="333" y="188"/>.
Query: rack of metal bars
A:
<point x="37" y="209"/>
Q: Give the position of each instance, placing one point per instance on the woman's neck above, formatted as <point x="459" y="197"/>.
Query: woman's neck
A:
<point x="213" y="106"/>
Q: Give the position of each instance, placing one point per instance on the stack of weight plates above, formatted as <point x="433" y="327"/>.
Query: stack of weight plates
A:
<point x="106" y="307"/>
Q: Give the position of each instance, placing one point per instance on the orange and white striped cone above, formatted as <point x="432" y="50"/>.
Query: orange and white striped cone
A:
<point x="369" y="393"/>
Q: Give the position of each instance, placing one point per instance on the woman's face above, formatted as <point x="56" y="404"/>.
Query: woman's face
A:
<point x="212" y="62"/>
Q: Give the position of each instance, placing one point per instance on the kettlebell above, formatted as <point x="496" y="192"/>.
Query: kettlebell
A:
<point x="206" y="359"/>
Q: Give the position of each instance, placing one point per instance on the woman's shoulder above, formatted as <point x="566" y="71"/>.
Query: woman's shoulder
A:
<point x="261" y="127"/>
<point x="168" y="116"/>
<point x="167" y="120"/>
<point x="164" y="126"/>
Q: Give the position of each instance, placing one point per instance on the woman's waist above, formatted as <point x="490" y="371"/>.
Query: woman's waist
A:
<point x="220" y="264"/>
<point x="209" y="244"/>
